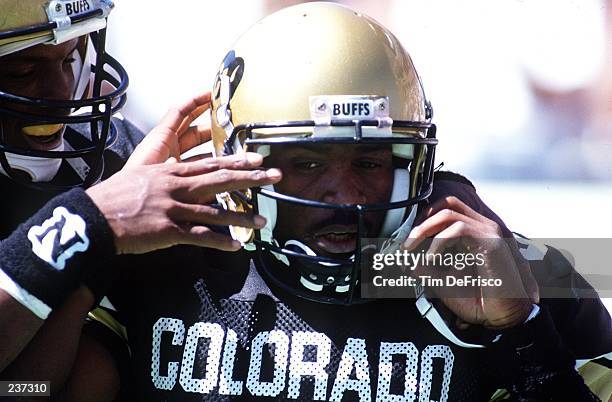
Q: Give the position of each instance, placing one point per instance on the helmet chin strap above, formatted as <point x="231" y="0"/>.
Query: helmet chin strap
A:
<point x="299" y="247"/>
<point x="39" y="169"/>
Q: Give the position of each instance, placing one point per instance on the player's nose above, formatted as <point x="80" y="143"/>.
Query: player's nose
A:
<point x="342" y="187"/>
<point x="59" y="85"/>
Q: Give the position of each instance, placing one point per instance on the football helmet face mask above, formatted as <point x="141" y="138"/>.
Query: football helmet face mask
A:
<point x="320" y="73"/>
<point x="99" y="92"/>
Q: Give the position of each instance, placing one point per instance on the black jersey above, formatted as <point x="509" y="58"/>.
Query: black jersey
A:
<point x="19" y="202"/>
<point x="204" y="326"/>
<point x="211" y="328"/>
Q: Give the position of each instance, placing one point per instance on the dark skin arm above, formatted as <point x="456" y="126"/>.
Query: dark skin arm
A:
<point x="57" y="340"/>
<point x="16" y="319"/>
<point x="154" y="202"/>
<point x="94" y="376"/>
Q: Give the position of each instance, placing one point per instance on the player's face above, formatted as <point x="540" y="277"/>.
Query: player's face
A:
<point x="339" y="174"/>
<point x="46" y="72"/>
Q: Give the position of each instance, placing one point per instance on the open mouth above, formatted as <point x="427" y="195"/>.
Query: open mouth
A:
<point x="43" y="137"/>
<point x="336" y="239"/>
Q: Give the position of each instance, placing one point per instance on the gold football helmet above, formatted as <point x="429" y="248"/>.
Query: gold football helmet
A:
<point x="322" y="73"/>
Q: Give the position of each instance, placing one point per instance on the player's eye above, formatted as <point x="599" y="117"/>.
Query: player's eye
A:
<point x="21" y="74"/>
<point x="307" y="165"/>
<point x="69" y="60"/>
<point x="366" y="164"/>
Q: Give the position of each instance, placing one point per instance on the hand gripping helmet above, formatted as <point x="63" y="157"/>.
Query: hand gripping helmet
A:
<point x="320" y="73"/>
<point x="99" y="92"/>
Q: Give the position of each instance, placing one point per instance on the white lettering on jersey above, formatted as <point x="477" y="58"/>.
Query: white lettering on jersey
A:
<point x="431" y="351"/>
<point x="178" y="329"/>
<point x="385" y="369"/>
<point x="214" y="332"/>
<point x="299" y="368"/>
<point x="281" y="351"/>
<point x="291" y="353"/>
<point x="227" y="386"/>
<point x="353" y="356"/>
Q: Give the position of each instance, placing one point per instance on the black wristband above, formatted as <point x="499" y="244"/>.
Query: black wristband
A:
<point x="541" y="367"/>
<point x="532" y="347"/>
<point x="49" y="255"/>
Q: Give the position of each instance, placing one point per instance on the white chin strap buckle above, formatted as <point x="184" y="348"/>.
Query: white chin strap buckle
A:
<point x="307" y="282"/>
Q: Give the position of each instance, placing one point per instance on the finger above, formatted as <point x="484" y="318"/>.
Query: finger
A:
<point x="163" y="141"/>
<point x="455" y="204"/>
<point x="195" y="158"/>
<point x="191" y="116"/>
<point x="224" y="180"/>
<point x="193" y="136"/>
<point x="206" y="237"/>
<point x="206" y="214"/>
<point x="193" y="109"/>
<point x="154" y="148"/>
<point x="181" y="117"/>
<point x="449" y="237"/>
<point x="246" y="161"/>
<point x="434" y="225"/>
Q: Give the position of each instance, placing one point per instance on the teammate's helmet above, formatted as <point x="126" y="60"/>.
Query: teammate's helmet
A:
<point x="99" y="93"/>
<point x="285" y="81"/>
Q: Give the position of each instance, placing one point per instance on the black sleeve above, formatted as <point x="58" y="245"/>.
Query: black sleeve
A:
<point x="537" y="360"/>
<point x="537" y="366"/>
<point x="453" y="184"/>
<point x="581" y="319"/>
<point x="128" y="137"/>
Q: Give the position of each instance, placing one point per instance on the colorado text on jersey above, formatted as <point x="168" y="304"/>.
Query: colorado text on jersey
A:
<point x="291" y="365"/>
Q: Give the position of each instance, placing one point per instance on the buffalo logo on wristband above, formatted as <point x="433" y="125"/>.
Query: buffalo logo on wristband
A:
<point x="59" y="237"/>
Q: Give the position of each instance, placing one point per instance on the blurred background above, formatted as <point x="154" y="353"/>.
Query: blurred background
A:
<point x="521" y="90"/>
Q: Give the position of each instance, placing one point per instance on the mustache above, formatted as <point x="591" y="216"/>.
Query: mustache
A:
<point x="340" y="217"/>
<point x="53" y="112"/>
